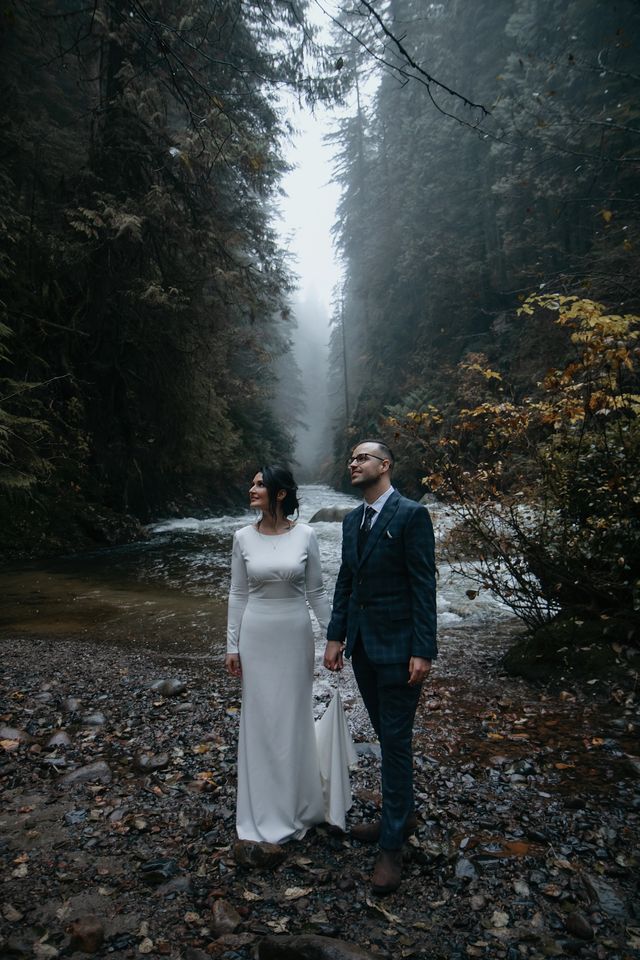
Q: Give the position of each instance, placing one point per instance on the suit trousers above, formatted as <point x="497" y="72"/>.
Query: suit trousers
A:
<point x="391" y="704"/>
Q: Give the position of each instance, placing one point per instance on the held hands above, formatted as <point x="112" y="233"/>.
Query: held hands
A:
<point x="333" y="659"/>
<point x="418" y="670"/>
<point x="233" y="665"/>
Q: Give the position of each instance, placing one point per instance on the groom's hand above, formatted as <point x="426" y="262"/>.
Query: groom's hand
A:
<point x="333" y="659"/>
<point x="418" y="670"/>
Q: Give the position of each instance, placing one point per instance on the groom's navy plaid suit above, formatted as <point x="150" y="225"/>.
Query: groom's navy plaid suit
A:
<point x="384" y="606"/>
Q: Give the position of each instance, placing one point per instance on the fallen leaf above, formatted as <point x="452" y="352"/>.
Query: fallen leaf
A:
<point x="391" y="917"/>
<point x="279" y="926"/>
<point x="294" y="893"/>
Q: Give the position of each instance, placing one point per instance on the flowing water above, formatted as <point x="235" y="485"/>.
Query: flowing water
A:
<point x="169" y="592"/>
<point x="176" y="582"/>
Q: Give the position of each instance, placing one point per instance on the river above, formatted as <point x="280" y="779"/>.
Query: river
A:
<point x="169" y="592"/>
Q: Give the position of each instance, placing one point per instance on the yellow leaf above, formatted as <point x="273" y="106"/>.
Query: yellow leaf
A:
<point x="606" y="215"/>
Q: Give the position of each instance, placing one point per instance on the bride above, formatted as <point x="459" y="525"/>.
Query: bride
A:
<point x="275" y="570"/>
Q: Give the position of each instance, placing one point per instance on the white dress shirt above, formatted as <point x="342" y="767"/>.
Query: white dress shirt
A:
<point x="377" y="505"/>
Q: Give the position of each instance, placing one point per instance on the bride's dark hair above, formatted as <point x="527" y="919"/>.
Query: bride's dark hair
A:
<point x="279" y="478"/>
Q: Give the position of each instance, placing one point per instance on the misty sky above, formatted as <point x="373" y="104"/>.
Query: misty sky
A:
<point x="308" y="210"/>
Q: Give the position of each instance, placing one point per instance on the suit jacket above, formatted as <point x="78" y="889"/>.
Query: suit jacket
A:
<point x="388" y="594"/>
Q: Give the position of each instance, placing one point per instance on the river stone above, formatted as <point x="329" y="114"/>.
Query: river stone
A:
<point x="605" y="896"/>
<point x="577" y="924"/>
<point x="310" y="947"/>
<point x="94" y="719"/>
<point x="99" y="770"/>
<point x="224" y="917"/>
<point x="155" y="872"/>
<point x="330" y="514"/>
<point x="148" y="762"/>
<point x="87" y="934"/>
<point x="59" y="738"/>
<point x="71" y="705"/>
<point x="168" y="688"/>
<point x="264" y="856"/>
<point x="12" y="733"/>
<point x="465" y="870"/>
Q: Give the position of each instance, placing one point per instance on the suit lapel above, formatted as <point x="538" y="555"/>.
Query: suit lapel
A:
<point x="386" y="515"/>
<point x="352" y="525"/>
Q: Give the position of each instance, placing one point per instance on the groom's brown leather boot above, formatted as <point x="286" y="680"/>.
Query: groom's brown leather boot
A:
<point x="387" y="872"/>
<point x="370" y="832"/>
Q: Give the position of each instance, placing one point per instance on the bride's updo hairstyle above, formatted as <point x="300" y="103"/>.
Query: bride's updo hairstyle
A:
<point x="276" y="479"/>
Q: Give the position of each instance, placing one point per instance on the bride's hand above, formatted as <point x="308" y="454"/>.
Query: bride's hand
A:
<point x="233" y="665"/>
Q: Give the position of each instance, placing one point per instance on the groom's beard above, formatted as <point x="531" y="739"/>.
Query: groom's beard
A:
<point x="363" y="483"/>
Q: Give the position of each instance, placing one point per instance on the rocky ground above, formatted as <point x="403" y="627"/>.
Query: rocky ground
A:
<point x="116" y="826"/>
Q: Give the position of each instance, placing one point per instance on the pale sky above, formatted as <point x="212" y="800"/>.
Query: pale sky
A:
<point x="309" y="209"/>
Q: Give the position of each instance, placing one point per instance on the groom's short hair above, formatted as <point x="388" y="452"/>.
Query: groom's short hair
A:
<point x="383" y="447"/>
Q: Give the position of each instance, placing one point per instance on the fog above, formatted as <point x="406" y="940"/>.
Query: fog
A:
<point x="311" y="352"/>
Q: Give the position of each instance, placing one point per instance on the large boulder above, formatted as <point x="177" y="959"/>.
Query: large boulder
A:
<point x="310" y="947"/>
<point x="330" y="515"/>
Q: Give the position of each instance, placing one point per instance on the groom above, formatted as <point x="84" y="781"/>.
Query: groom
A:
<point x="384" y="609"/>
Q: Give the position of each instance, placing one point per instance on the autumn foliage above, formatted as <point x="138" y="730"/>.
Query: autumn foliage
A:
<point x="545" y="485"/>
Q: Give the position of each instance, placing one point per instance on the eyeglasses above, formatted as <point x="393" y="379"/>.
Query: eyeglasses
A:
<point x="363" y="457"/>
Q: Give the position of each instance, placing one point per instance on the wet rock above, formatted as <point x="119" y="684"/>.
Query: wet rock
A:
<point x="605" y="896"/>
<point x="181" y="884"/>
<point x="87" y="934"/>
<point x="59" y="738"/>
<point x="44" y="951"/>
<point x="44" y="697"/>
<point x="94" y="719"/>
<point x="465" y="870"/>
<point x="74" y="817"/>
<point x="330" y="514"/>
<point x="16" y="946"/>
<point x="168" y="688"/>
<point x="264" y="856"/>
<point x="234" y="942"/>
<point x="578" y="925"/>
<point x="99" y="771"/>
<point x="71" y="705"/>
<point x="633" y="764"/>
<point x="10" y="914"/>
<point x="155" y="872"/>
<point x="13" y="733"/>
<point x="149" y="763"/>
<point x="224" y="918"/>
<point x="310" y="947"/>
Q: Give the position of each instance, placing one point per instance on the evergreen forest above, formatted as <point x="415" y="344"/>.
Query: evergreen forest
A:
<point x="486" y="324"/>
<point x="145" y="296"/>
<point x="488" y="321"/>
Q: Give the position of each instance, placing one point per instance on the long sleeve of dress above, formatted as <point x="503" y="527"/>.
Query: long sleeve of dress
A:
<point x="314" y="587"/>
<point x="238" y="596"/>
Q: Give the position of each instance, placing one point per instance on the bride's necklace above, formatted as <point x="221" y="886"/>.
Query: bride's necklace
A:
<point x="275" y="536"/>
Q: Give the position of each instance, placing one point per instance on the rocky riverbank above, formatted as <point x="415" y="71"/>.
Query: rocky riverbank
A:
<point x="116" y="831"/>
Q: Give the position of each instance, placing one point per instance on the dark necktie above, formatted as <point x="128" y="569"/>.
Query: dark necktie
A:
<point x="363" y="532"/>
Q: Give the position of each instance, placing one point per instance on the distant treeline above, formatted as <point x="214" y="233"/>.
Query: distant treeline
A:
<point x="450" y="216"/>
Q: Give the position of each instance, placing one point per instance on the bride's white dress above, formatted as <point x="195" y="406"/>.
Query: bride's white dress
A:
<point x="272" y="578"/>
